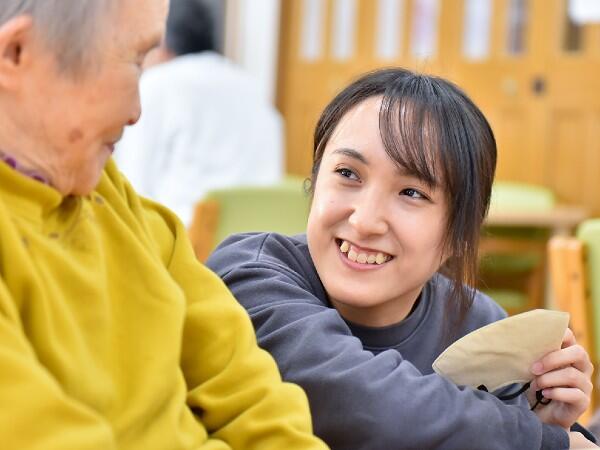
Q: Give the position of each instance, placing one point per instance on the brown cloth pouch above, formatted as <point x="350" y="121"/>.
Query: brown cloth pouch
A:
<point x="503" y="352"/>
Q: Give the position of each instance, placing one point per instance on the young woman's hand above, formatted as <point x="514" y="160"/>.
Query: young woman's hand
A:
<point x="578" y="441"/>
<point x="565" y="377"/>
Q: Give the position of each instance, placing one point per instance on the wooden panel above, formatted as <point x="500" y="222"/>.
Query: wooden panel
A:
<point x="568" y="149"/>
<point x="571" y="107"/>
<point x="516" y="156"/>
<point x="591" y="184"/>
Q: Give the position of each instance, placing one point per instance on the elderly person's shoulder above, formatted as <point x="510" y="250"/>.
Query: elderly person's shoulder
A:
<point x="142" y="215"/>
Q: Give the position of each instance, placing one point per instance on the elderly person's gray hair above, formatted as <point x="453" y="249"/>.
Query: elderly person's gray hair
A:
<point x="70" y="28"/>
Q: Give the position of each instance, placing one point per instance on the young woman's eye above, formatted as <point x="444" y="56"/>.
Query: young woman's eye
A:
<point x="412" y="193"/>
<point x="347" y="173"/>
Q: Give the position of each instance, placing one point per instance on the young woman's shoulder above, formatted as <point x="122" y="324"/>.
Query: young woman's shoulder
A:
<point x="279" y="266"/>
<point x="260" y="249"/>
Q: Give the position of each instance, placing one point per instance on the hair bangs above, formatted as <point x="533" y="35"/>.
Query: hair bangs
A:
<point x="411" y="134"/>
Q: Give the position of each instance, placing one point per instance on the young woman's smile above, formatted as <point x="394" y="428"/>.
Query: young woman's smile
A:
<point x="361" y="258"/>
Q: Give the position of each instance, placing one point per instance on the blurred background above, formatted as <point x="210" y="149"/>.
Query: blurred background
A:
<point x="531" y="65"/>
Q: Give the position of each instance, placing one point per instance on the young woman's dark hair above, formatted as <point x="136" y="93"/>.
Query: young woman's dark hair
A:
<point x="430" y="128"/>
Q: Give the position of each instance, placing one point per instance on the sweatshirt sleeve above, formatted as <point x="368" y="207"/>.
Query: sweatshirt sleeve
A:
<point x="35" y="412"/>
<point x="359" y="400"/>
<point x="234" y="387"/>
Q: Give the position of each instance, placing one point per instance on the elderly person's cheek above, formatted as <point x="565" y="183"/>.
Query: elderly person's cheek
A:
<point x="75" y="135"/>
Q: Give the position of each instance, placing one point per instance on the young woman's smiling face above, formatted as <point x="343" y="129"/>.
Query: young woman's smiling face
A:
<point x="375" y="232"/>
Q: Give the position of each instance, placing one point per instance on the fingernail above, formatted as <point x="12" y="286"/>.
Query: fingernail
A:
<point x="537" y="368"/>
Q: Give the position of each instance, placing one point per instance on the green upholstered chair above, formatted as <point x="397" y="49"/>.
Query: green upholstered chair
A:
<point x="282" y="208"/>
<point x="589" y="234"/>
<point x="510" y="195"/>
<point x="512" y="259"/>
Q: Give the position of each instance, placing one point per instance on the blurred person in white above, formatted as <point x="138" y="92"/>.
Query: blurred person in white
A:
<point x="205" y="125"/>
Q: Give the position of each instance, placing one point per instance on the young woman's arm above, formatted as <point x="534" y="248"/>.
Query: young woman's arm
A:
<point x="359" y="400"/>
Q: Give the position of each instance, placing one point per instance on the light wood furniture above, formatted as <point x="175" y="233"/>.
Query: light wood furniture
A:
<point x="203" y="229"/>
<point x="517" y="290"/>
<point x="560" y="220"/>
<point x="567" y="262"/>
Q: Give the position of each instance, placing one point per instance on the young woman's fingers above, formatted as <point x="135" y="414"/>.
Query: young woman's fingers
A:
<point x="574" y="355"/>
<point x="568" y="339"/>
<point x="568" y="377"/>
<point x="578" y="441"/>
<point x="570" y="396"/>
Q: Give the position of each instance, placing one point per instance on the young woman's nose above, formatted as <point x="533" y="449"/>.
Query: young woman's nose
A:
<point x="368" y="216"/>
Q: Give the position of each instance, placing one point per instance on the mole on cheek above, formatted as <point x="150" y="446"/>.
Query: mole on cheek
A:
<point x="75" y="135"/>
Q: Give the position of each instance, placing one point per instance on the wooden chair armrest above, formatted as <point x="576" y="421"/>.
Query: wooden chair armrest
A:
<point x="203" y="229"/>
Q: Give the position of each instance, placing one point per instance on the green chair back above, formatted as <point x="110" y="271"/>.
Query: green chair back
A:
<point x="282" y="208"/>
<point x="589" y="233"/>
<point x="513" y="196"/>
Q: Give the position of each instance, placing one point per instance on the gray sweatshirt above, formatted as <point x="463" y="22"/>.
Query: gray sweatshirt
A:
<point x="371" y="388"/>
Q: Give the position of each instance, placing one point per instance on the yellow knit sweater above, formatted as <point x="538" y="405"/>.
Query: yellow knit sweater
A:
<point x="113" y="336"/>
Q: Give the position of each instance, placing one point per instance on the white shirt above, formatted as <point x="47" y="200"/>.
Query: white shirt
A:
<point x="204" y="126"/>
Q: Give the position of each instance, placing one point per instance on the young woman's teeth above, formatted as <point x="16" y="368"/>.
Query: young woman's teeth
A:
<point x="363" y="258"/>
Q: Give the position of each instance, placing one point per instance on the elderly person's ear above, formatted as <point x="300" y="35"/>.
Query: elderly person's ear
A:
<point x="14" y="36"/>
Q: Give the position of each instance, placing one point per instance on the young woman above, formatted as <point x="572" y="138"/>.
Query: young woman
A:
<point x="357" y="310"/>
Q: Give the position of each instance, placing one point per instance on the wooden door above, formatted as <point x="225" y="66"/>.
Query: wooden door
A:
<point x="570" y="110"/>
<point x="524" y="63"/>
<point x="543" y="101"/>
<point x="495" y="61"/>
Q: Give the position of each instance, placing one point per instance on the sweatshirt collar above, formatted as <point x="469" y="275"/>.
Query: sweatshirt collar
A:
<point x="32" y="197"/>
<point x="382" y="338"/>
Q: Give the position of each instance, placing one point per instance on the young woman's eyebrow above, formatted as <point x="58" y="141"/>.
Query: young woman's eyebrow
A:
<point x="352" y="154"/>
<point x="404" y="172"/>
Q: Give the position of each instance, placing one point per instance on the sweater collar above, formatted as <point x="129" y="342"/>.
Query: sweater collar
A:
<point x="16" y="165"/>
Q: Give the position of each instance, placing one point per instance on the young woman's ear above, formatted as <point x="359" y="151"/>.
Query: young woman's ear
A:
<point x="15" y="40"/>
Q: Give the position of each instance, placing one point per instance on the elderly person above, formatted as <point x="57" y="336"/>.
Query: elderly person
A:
<point x="111" y="334"/>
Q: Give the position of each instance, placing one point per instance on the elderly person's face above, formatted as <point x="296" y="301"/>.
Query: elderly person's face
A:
<point x="67" y="125"/>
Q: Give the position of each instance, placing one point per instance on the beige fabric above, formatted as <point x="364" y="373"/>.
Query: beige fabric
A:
<point x="503" y="352"/>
